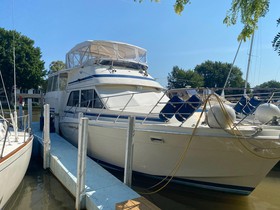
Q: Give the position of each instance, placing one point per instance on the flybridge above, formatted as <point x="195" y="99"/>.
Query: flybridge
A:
<point x="85" y="53"/>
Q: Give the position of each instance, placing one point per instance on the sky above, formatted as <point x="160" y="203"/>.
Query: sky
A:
<point x="185" y="40"/>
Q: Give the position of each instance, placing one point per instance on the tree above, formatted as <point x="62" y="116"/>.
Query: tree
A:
<point x="56" y="66"/>
<point x="180" y="78"/>
<point x="267" y="88"/>
<point x="249" y="10"/>
<point x="29" y="66"/>
<point x="276" y="40"/>
<point x="215" y="75"/>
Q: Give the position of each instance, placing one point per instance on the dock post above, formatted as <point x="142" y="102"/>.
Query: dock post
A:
<point x="46" y="140"/>
<point x="29" y="107"/>
<point x="81" y="163"/>
<point x="129" y="151"/>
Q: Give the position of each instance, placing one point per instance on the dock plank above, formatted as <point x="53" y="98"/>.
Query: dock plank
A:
<point x="103" y="190"/>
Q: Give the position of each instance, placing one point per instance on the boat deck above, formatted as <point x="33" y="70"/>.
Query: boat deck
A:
<point x="12" y="145"/>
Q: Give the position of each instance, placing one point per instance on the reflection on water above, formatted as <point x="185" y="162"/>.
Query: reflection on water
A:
<point x="40" y="190"/>
<point x="264" y="197"/>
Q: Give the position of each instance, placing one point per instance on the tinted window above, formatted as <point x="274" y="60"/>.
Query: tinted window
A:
<point x="87" y="98"/>
<point x="73" y="99"/>
<point x="90" y="99"/>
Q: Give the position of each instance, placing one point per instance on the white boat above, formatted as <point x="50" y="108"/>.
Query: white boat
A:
<point x="15" y="148"/>
<point x="108" y="82"/>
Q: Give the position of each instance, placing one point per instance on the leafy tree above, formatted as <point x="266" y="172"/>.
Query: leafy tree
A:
<point x="180" y="78"/>
<point x="29" y="66"/>
<point x="56" y="66"/>
<point x="276" y="40"/>
<point x="269" y="84"/>
<point x="267" y="88"/>
<point x="249" y="10"/>
<point x="215" y="75"/>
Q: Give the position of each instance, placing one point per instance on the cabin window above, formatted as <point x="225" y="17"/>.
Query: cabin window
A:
<point x="63" y="77"/>
<point x="87" y="98"/>
<point x="55" y="84"/>
<point x="73" y="99"/>
<point x="90" y="99"/>
<point x="97" y="102"/>
<point x="52" y="84"/>
<point x="49" y="88"/>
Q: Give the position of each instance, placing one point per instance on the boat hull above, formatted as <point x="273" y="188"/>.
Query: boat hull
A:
<point x="12" y="170"/>
<point x="207" y="161"/>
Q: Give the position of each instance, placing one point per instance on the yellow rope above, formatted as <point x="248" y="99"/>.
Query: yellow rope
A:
<point x="179" y="162"/>
<point x="235" y="131"/>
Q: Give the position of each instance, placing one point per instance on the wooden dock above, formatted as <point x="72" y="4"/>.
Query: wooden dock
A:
<point x="103" y="190"/>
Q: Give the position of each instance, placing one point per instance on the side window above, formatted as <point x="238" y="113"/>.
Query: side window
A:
<point x="87" y="98"/>
<point x="55" y="84"/>
<point x="97" y="102"/>
<point x="73" y="99"/>
<point x="90" y="99"/>
<point x="63" y="81"/>
<point x="49" y="88"/>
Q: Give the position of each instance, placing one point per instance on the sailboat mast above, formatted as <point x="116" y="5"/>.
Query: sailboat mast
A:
<point x="15" y="87"/>
<point x="249" y="62"/>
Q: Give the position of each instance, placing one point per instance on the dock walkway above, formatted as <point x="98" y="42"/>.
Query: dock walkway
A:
<point x="103" y="190"/>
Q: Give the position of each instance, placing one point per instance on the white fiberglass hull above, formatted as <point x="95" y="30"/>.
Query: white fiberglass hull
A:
<point x="12" y="169"/>
<point x="210" y="161"/>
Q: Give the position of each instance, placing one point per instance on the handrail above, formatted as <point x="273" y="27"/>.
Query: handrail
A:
<point x="5" y="139"/>
<point x="103" y="108"/>
<point x="124" y="107"/>
<point x="269" y="96"/>
<point x="154" y="107"/>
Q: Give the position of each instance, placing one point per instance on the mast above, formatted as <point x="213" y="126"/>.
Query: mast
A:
<point x="14" y="118"/>
<point x="249" y="62"/>
<point x="223" y="91"/>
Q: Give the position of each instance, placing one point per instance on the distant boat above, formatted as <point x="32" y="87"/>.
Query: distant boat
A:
<point x="175" y="137"/>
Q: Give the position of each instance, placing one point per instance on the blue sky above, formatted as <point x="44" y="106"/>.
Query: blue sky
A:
<point x="185" y="40"/>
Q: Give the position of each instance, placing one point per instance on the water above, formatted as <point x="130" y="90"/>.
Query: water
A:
<point x="264" y="197"/>
<point x="41" y="190"/>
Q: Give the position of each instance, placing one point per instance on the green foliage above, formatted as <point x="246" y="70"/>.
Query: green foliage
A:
<point x="179" y="5"/>
<point x="180" y="78"/>
<point x="269" y="84"/>
<point x="250" y="12"/>
<point x="267" y="88"/>
<point x="56" y="66"/>
<point x="276" y="40"/>
<point x="215" y="75"/>
<point x="29" y="66"/>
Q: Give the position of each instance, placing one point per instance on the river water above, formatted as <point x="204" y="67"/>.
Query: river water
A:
<point x="41" y="190"/>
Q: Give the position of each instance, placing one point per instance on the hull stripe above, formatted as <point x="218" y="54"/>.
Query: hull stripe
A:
<point x="110" y="76"/>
